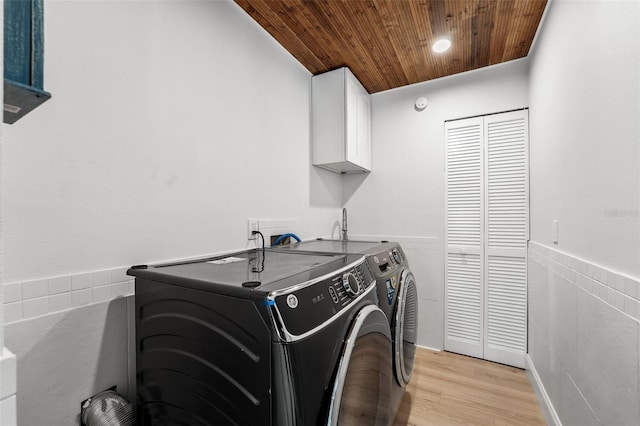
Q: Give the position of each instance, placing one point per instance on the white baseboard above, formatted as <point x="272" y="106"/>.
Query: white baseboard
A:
<point x="543" y="398"/>
<point x="431" y="349"/>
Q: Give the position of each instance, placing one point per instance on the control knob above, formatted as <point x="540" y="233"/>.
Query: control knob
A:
<point x="351" y="284"/>
<point x="396" y="256"/>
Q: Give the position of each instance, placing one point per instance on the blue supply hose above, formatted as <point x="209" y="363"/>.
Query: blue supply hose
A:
<point x="283" y="236"/>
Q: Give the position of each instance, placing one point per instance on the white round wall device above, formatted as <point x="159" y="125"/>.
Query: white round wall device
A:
<point x="421" y="103"/>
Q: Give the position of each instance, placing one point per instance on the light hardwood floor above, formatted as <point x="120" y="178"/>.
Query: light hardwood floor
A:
<point x="451" y="389"/>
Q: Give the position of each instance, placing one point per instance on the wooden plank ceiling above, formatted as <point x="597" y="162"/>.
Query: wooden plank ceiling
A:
<point x="387" y="43"/>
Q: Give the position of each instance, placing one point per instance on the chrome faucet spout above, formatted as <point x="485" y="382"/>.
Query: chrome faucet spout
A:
<point x="344" y="224"/>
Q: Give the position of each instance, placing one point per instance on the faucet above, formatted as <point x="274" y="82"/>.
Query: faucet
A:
<point x="344" y="224"/>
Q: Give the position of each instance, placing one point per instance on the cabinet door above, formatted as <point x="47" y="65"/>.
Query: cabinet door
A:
<point x="358" y="119"/>
<point x="328" y="119"/>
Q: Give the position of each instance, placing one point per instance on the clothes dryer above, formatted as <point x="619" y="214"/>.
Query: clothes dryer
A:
<point x="261" y="337"/>
<point x="397" y="297"/>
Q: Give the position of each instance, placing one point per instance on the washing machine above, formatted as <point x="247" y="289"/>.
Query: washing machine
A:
<point x="397" y="296"/>
<point x="262" y="337"/>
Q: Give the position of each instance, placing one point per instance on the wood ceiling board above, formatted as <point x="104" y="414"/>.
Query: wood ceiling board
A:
<point x="387" y="43"/>
<point x="281" y="27"/>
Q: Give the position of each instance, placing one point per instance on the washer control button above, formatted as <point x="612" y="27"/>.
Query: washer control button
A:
<point x="334" y="295"/>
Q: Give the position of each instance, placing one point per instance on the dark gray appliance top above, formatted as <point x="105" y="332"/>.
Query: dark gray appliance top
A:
<point x="246" y="270"/>
<point x="334" y="246"/>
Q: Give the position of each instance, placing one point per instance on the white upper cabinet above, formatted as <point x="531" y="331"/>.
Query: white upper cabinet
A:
<point x="341" y="122"/>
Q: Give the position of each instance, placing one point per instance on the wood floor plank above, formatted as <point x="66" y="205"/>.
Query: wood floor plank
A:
<point x="451" y="389"/>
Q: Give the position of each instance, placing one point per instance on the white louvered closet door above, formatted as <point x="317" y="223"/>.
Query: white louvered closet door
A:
<point x="507" y="213"/>
<point x="504" y="230"/>
<point x="464" y="260"/>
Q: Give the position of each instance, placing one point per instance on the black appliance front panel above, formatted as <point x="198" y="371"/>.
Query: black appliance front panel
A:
<point x="312" y="365"/>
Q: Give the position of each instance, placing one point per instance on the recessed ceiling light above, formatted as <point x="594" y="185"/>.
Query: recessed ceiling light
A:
<point x="441" y="45"/>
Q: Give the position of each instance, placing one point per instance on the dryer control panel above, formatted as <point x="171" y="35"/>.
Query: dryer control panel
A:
<point x="304" y="309"/>
<point x="386" y="261"/>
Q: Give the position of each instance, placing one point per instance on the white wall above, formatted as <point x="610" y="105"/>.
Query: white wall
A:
<point x="171" y="123"/>
<point x="404" y="195"/>
<point x="585" y="154"/>
<point x="584" y="292"/>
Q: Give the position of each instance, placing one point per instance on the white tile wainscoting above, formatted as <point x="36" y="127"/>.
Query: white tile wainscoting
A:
<point x="584" y="339"/>
<point x="52" y="315"/>
<point x="8" y="388"/>
<point x="30" y="299"/>
<point x="426" y="260"/>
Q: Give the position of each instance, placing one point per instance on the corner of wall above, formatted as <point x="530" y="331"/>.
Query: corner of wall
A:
<point x="534" y="44"/>
<point x="542" y="396"/>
